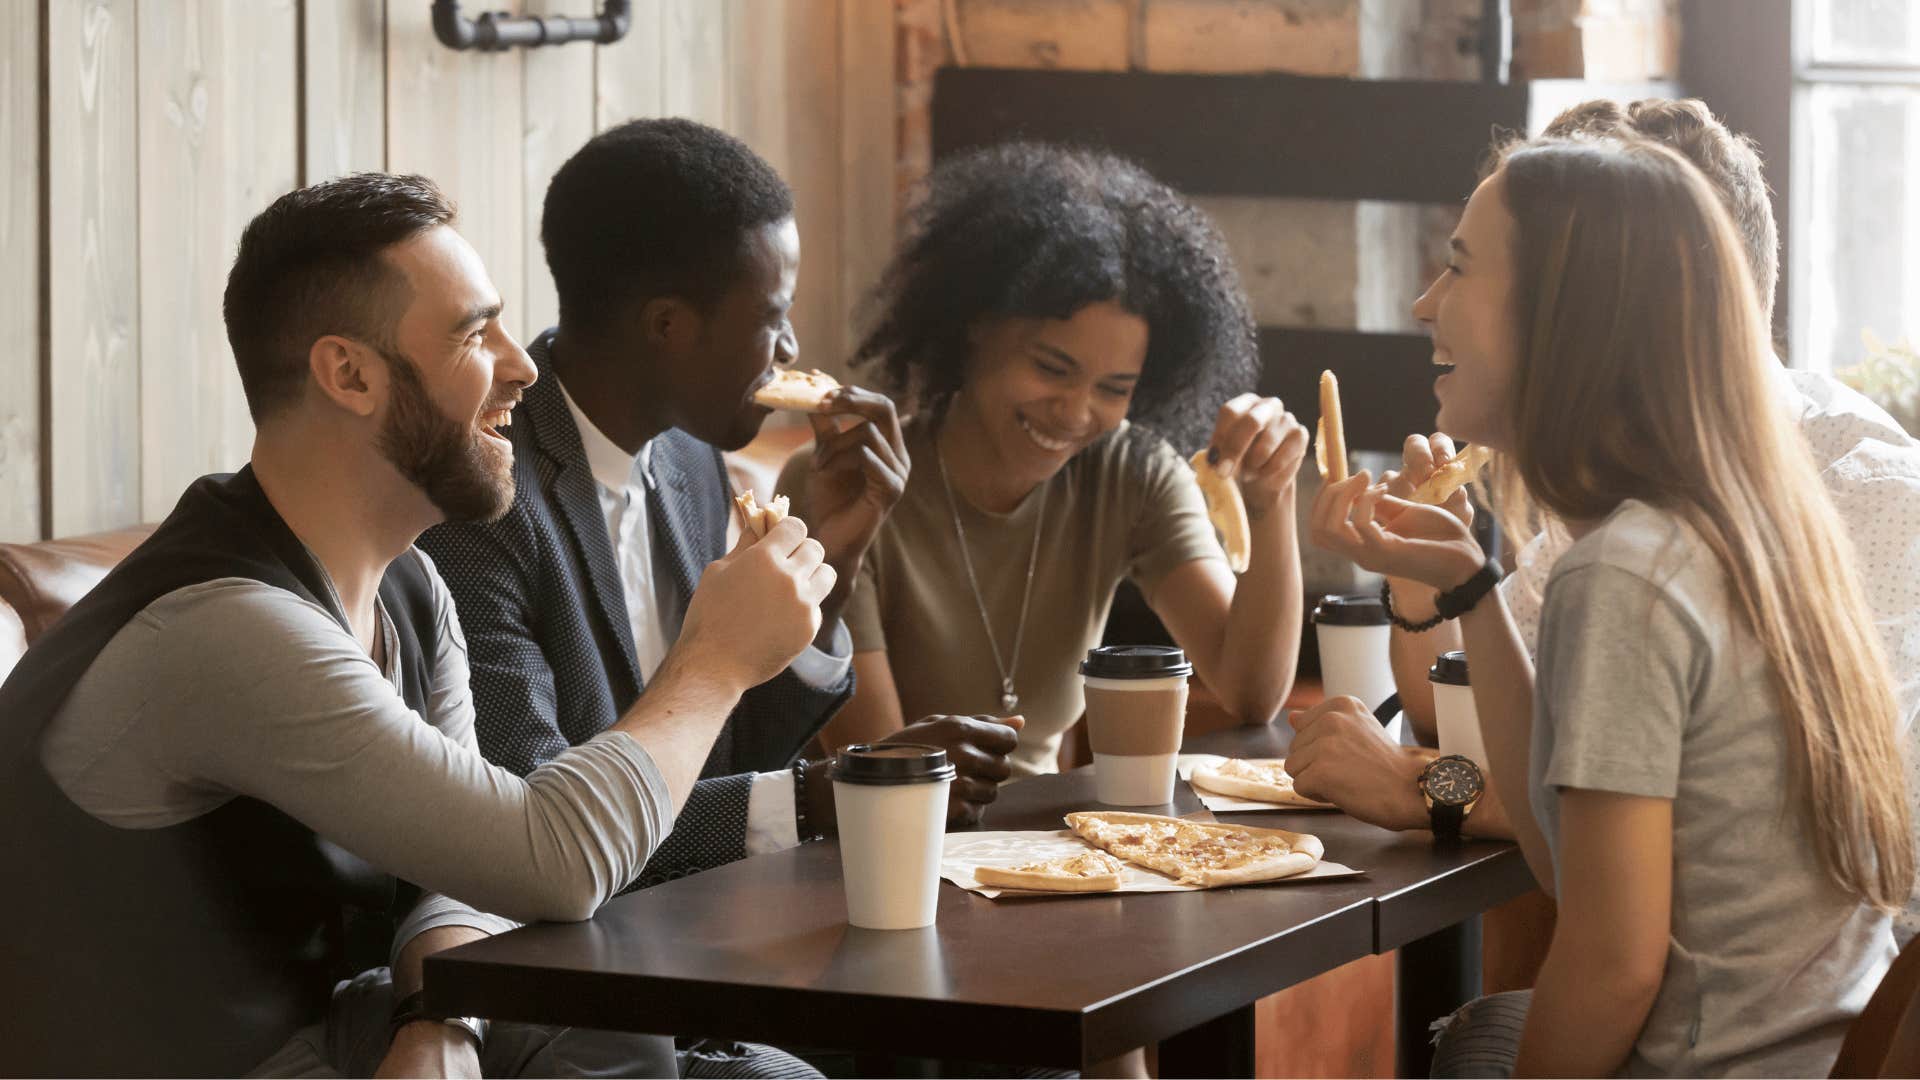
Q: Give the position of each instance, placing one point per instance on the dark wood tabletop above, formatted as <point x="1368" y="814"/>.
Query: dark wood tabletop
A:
<point x="760" y="950"/>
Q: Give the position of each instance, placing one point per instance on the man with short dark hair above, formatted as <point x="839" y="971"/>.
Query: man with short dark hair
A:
<point x="675" y="254"/>
<point x="226" y="763"/>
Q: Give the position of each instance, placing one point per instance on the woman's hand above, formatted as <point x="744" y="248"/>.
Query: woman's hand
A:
<point x="1387" y="535"/>
<point x="1257" y="442"/>
<point x="1419" y="457"/>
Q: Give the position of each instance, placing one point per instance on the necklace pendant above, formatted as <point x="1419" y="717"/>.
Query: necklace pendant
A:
<point x="1009" y="701"/>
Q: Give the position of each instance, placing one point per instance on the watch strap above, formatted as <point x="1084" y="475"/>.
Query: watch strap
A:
<point x="1446" y="820"/>
<point x="803" y="825"/>
<point x="413" y="1008"/>
<point x="1462" y="598"/>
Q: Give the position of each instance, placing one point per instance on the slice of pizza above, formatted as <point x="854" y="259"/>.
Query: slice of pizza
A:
<point x="1259" y="779"/>
<point x="1089" y="871"/>
<point x="801" y="391"/>
<point x="759" y="518"/>
<point x="1227" y="510"/>
<point x="1199" y="853"/>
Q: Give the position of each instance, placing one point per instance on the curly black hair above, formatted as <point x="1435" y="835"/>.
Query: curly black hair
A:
<point x="651" y="208"/>
<point x="1040" y="231"/>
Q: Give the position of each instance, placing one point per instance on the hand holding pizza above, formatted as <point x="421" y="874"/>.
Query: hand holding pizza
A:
<point x="859" y="472"/>
<point x="1258" y="444"/>
<point x="1360" y="520"/>
<point x="1421" y="457"/>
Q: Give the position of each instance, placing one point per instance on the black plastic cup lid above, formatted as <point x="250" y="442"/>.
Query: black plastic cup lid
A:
<point x="1449" y="668"/>
<point x="891" y="763"/>
<point x="1136" y="662"/>
<point x="1352" y="609"/>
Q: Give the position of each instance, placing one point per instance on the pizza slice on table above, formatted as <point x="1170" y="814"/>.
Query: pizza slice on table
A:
<point x="1260" y="779"/>
<point x="1089" y="871"/>
<point x="1199" y="853"/>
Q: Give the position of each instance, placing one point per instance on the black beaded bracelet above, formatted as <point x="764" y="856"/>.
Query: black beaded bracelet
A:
<point x="801" y="825"/>
<point x="1386" y="602"/>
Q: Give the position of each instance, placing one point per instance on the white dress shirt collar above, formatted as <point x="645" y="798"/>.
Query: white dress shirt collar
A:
<point x="612" y="466"/>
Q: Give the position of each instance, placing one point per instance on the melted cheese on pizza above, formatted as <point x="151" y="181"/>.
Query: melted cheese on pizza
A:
<point x="1186" y="845"/>
<point x="1087" y="864"/>
<point x="1265" y="772"/>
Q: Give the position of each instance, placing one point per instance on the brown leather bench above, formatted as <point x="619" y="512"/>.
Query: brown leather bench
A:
<point x="39" y="582"/>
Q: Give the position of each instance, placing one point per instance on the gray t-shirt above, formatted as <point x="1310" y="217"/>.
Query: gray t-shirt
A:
<point x="232" y="687"/>
<point x="1648" y="685"/>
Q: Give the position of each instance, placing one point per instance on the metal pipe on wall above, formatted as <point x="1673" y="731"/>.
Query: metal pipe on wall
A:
<point x="497" y="31"/>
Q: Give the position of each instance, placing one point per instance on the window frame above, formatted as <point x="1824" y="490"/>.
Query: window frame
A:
<point x="1809" y="73"/>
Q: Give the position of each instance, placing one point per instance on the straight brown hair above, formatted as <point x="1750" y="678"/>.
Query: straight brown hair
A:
<point x="1640" y="331"/>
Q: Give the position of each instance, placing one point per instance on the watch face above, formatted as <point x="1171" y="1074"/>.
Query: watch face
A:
<point x="1452" y="781"/>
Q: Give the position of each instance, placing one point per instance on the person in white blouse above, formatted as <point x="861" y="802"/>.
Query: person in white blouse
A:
<point x="1870" y="466"/>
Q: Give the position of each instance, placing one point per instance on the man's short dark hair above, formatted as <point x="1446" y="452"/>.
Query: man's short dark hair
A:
<point x="654" y="208"/>
<point x="313" y="264"/>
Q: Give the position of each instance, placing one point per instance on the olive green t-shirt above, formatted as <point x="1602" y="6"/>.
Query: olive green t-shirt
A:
<point x="1126" y="506"/>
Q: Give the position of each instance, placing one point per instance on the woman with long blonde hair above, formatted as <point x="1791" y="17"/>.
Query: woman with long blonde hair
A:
<point x="1707" y="774"/>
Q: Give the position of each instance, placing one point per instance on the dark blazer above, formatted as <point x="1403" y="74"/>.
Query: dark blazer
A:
<point x="551" y="649"/>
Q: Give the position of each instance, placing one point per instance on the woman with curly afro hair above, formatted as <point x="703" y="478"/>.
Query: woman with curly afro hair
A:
<point x="1066" y="330"/>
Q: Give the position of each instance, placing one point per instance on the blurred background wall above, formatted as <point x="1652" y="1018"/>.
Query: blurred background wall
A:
<point x="142" y="135"/>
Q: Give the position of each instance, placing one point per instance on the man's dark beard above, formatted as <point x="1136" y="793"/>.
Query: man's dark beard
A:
<point x="441" y="457"/>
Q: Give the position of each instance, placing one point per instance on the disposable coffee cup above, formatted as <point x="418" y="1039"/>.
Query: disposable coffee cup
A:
<point x="1353" y="635"/>
<point x="1454" y="714"/>
<point x="891" y="803"/>
<point x="1136" y="713"/>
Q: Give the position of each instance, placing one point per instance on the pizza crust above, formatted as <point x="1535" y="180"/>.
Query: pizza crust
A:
<point x="1199" y="853"/>
<point x="1330" y="431"/>
<point x="801" y="391"/>
<point x="1259" y="779"/>
<point x="1089" y="871"/>
<point x="758" y="519"/>
<point x="1227" y="510"/>
<point x="1452" y="475"/>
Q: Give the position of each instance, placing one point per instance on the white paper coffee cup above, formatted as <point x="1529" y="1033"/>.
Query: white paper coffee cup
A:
<point x="891" y="803"/>
<point x="1454" y="713"/>
<point x="1354" y="636"/>
<point x="1136" y="715"/>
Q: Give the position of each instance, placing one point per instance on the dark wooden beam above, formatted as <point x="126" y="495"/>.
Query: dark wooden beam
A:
<point x="1284" y="135"/>
<point x="1386" y="380"/>
<point x="1737" y="56"/>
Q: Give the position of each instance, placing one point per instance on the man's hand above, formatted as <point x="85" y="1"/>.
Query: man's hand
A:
<point x="1339" y="756"/>
<point x="758" y="606"/>
<point x="1257" y="442"/>
<point x="978" y="747"/>
<point x="430" y="1048"/>
<point x="857" y="476"/>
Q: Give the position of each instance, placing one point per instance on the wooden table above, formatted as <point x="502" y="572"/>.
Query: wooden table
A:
<point x="759" y="950"/>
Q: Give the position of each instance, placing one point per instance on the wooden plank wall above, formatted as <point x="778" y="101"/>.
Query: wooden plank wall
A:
<point x="21" y="230"/>
<point x="143" y="136"/>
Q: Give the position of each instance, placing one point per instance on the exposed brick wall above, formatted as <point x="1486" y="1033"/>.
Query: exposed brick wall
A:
<point x="1617" y="40"/>
<point x="1305" y="262"/>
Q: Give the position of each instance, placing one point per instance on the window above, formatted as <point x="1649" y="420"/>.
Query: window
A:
<point x="1856" y="183"/>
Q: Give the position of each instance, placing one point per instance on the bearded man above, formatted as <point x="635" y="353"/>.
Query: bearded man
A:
<point x="243" y="768"/>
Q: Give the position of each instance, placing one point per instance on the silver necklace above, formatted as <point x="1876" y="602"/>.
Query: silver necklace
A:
<point x="1009" y="697"/>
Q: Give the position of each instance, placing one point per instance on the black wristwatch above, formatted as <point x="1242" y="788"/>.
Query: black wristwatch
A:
<point x="413" y="1007"/>
<point x="1461" y="599"/>
<point x="1452" y="786"/>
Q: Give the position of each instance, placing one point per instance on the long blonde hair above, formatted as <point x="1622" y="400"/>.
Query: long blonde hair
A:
<point x="1640" y="330"/>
